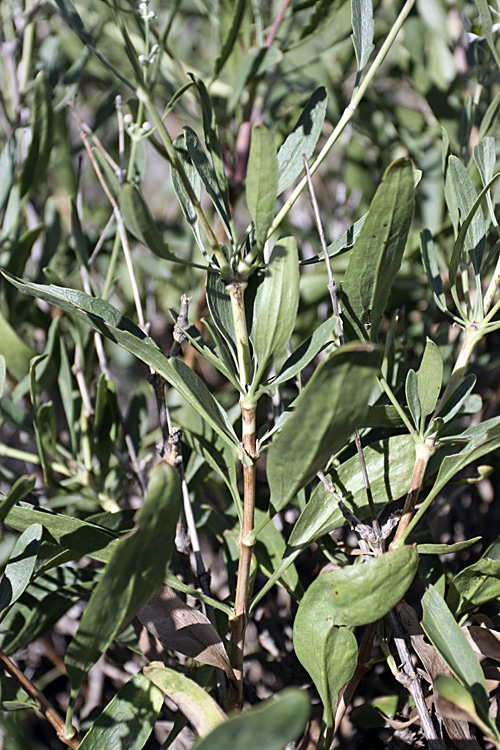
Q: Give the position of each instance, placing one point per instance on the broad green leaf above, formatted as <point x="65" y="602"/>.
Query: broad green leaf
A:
<point x="378" y="251"/>
<point x="329" y="409"/>
<point x="20" y="567"/>
<point x="487" y="24"/>
<point x="429" y="379"/>
<point x="302" y="139"/>
<point x="208" y="177"/>
<point x="412" y="397"/>
<point x="128" y="719"/>
<point x="272" y="724"/>
<point x="276" y="304"/>
<point x="139" y="221"/>
<point x="327" y="652"/>
<point x="325" y="334"/>
<point x="451" y="644"/>
<point x="473" y="586"/>
<point x="132" y="575"/>
<point x="199" y="708"/>
<point x="455" y="700"/>
<point x="42" y="134"/>
<point x="219" y="305"/>
<point x="261" y="186"/>
<point x="362" y="30"/>
<point x="18" y="491"/>
<point x="106" y="319"/>
<point x="360" y="594"/>
<point x="466" y="197"/>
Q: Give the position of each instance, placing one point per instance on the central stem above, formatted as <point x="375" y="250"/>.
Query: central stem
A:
<point x="238" y="625"/>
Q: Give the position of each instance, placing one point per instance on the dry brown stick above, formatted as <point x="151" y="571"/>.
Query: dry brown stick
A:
<point x="43" y="705"/>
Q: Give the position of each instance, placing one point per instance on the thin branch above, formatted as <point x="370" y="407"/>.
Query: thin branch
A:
<point x="41" y="701"/>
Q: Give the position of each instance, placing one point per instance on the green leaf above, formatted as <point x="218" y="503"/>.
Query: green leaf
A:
<point x="276" y="304"/>
<point x="361" y="594"/>
<point x="485" y="157"/>
<point x="466" y="196"/>
<point x="325" y="334"/>
<point x="341" y="245"/>
<point x="182" y="194"/>
<point x="73" y="19"/>
<point x="457" y="399"/>
<point x="202" y="712"/>
<point x="302" y="139"/>
<point x="140" y="223"/>
<point x="80" y="537"/>
<point x="106" y="319"/>
<point x="212" y="142"/>
<point x="429" y="255"/>
<point x="42" y="134"/>
<point x="272" y="724"/>
<point x="20" y="567"/>
<point x="412" y="397"/>
<point x="128" y="719"/>
<point x="133" y="574"/>
<point x="262" y="181"/>
<point x="16" y="352"/>
<point x="446" y="549"/>
<point x="429" y="379"/>
<point x="13" y="697"/>
<point x="378" y="251"/>
<point x="327" y="652"/>
<point x="229" y="40"/>
<point x="473" y="586"/>
<point x="329" y="409"/>
<point x="487" y="24"/>
<point x="269" y="551"/>
<point x="208" y="177"/>
<point x="450" y="642"/>
<point x="18" y="491"/>
<point x="219" y="305"/>
<point x="456" y="701"/>
<point x="362" y="30"/>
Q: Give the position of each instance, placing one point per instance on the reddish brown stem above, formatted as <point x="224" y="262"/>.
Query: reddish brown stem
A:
<point x="42" y="703"/>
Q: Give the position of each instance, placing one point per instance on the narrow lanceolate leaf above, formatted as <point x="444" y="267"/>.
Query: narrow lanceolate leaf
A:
<point x="485" y="158"/>
<point x="360" y="594"/>
<point x="302" y="139"/>
<point x="325" y="334"/>
<point x="329" y="409"/>
<point x="181" y="192"/>
<point x="132" y="576"/>
<point x="430" y="378"/>
<point x="412" y="397"/>
<point x="487" y="24"/>
<point x="329" y="653"/>
<point x="17" y="492"/>
<point x="129" y="718"/>
<point x="139" y="221"/>
<point x="272" y="724"/>
<point x="262" y="181"/>
<point x="106" y="319"/>
<point x="454" y="701"/>
<point x="362" y="30"/>
<point x="276" y="304"/>
<point x="429" y="255"/>
<point x="208" y="177"/>
<point x="42" y="130"/>
<point x="378" y="252"/>
<point x="184" y="629"/>
<point x="199" y="708"/>
<point x="466" y="196"/>
<point x="20" y="567"/>
<point x="451" y="644"/>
